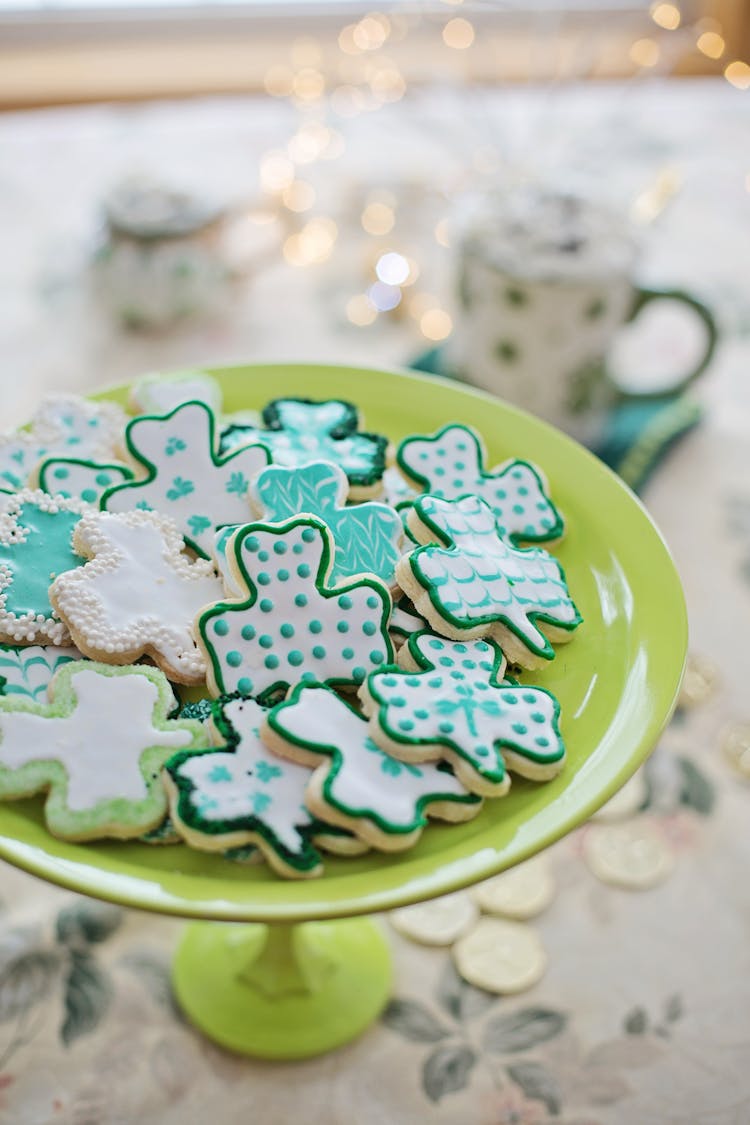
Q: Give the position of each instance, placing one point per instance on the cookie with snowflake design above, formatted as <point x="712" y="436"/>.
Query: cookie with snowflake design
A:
<point x="96" y="749"/>
<point x="291" y="626"/>
<point x="26" y="670"/>
<point x="298" y="430"/>
<point x="36" y="545"/>
<point x="62" y="426"/>
<point x="476" y="584"/>
<point x="80" y="479"/>
<point x="450" y="464"/>
<point x="137" y="595"/>
<point x="366" y="536"/>
<point x="448" y="700"/>
<point x="185" y="478"/>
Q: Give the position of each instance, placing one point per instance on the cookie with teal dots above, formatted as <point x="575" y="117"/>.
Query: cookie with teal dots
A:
<point x="290" y="625"/>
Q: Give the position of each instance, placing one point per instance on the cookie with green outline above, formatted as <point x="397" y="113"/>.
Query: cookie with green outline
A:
<point x="405" y="620"/>
<point x="96" y="749"/>
<point x="291" y="626"/>
<point x="367" y="536"/>
<point x="80" y="479"/>
<point x="450" y="464"/>
<point x="62" y="426"/>
<point x="26" y="670"/>
<point x="476" y="584"/>
<point x="162" y="393"/>
<point x="186" y="479"/>
<point x="355" y="784"/>
<point x="299" y="430"/>
<point x="448" y="700"/>
<point x="137" y="593"/>
<point x="36" y="545"/>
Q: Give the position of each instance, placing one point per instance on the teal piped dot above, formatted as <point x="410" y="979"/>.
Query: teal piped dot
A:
<point x="315" y="627"/>
<point x="287" y="630"/>
<point x="358" y="674"/>
<point x="398" y="701"/>
<point x="458" y="484"/>
<point x="295" y="658"/>
<point x="221" y="628"/>
<point x="510" y="698"/>
<point x="244" y="686"/>
<point x="265" y="605"/>
<point x="485" y="665"/>
<point x="537" y="717"/>
<point x="252" y="543"/>
<point x="523" y="490"/>
<point x="234" y="658"/>
<point x="541" y="741"/>
<point x="440" y="451"/>
<point x="347" y="653"/>
<point x="271" y="661"/>
<point x="318" y="652"/>
<point x="283" y="575"/>
<point x="421" y="714"/>
<point x="89" y="495"/>
<point x="470" y="664"/>
<point x="446" y="728"/>
<point x="529" y="529"/>
<point x="264" y="579"/>
<point x="297" y="549"/>
<point x="248" y="632"/>
<point x="61" y="474"/>
<point x="300" y="600"/>
<point x="343" y="627"/>
<point x="517" y="474"/>
<point x="439" y="471"/>
<point x="406" y="725"/>
<point x="436" y="644"/>
<point x="373" y="602"/>
<point x="459" y="467"/>
<point x="303" y="570"/>
<point x="519" y="728"/>
<point x="280" y="547"/>
<point x="529" y="697"/>
<point x="412" y="681"/>
<point x="481" y="751"/>
<point x="389" y="681"/>
<point x="480" y="685"/>
<point x="501" y="494"/>
<point x="446" y="662"/>
<point x="456" y="675"/>
<point x="345" y="602"/>
<point x="460" y="648"/>
<point x="518" y="509"/>
<point x="435" y="684"/>
<point x="265" y="641"/>
<point x="376" y="656"/>
<point x="263" y="556"/>
<point x="369" y="628"/>
<point x="308" y="678"/>
<point x="308" y="535"/>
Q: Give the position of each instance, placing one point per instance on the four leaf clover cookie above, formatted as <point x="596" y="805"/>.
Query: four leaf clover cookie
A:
<point x="356" y="784"/>
<point x="137" y="595"/>
<point x="478" y="585"/>
<point x="185" y="478"/>
<point x="72" y="477"/>
<point x="447" y="701"/>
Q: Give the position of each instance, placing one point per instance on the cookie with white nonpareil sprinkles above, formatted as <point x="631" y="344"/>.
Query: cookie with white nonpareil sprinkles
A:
<point x="292" y="627"/>
<point x="137" y="594"/>
<point x="36" y="545"/>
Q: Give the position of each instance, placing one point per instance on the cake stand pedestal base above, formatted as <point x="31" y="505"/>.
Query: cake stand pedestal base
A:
<point x="283" y="991"/>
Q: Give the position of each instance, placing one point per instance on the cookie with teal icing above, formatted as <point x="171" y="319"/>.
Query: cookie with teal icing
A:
<point x="82" y="480"/>
<point x="96" y="749"/>
<point x="366" y="536"/>
<point x="26" y="670"/>
<point x="36" y="545"/>
<point x="290" y="625"/>
<point x="448" y="700"/>
<point x="185" y="477"/>
<point x="299" y="430"/>
<point x="355" y="784"/>
<point x="468" y="581"/>
<point x="451" y="463"/>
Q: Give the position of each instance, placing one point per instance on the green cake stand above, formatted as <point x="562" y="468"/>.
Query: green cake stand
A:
<point x="288" y="969"/>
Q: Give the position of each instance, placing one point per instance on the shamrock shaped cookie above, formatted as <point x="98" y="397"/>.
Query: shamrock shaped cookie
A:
<point x="138" y="594"/>
<point x="366" y="536"/>
<point x="36" y="545"/>
<point x="65" y="426"/>
<point x="299" y="430"/>
<point x="447" y="701"/>
<point x="450" y="464"/>
<point x="290" y="625"/>
<point x="384" y="801"/>
<point x="478" y="585"/>
<point x="26" y="670"/>
<point x="161" y="393"/>
<point x="185" y="479"/>
<point x="97" y="748"/>
<point x="71" y="477"/>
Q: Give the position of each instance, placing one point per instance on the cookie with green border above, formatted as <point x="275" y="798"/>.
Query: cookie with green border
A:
<point x="355" y="784"/>
<point x="78" y="478"/>
<point x="448" y="700"/>
<point x="96" y="749"/>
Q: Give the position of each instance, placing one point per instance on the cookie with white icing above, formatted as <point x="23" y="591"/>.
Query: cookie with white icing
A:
<point x="137" y="594"/>
<point x="96" y="749"/>
<point x="78" y="478"/>
<point x="157" y="393"/>
<point x="185" y="477"/>
<point x="448" y="700"/>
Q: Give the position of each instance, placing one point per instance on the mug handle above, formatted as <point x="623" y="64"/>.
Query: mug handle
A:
<point x="644" y="297"/>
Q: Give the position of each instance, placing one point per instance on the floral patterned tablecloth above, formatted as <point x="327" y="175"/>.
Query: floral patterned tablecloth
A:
<point x="642" y="1015"/>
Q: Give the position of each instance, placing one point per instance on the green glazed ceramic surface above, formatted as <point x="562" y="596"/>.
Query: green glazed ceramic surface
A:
<point x="616" y="680"/>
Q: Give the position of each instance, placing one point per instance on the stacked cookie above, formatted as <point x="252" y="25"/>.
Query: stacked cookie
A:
<point x="351" y="615"/>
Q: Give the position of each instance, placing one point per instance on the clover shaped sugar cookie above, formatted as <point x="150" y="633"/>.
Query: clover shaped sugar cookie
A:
<point x="160" y="393"/>
<point x="290" y="625"/>
<point x="137" y="595"/>
<point x="185" y="479"/>
<point x="450" y="464"/>
<point x="356" y="785"/>
<point x="478" y="585"/>
<point x="73" y="477"/>
<point x="97" y="748"/>
<point x="63" y="426"/>
<point x="298" y="430"/>
<point x="26" y="670"/>
<point x="366" y="536"/>
<point x="36" y="545"/>
<point x="447" y="701"/>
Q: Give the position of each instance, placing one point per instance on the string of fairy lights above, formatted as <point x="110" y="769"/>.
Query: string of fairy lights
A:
<point x="332" y="81"/>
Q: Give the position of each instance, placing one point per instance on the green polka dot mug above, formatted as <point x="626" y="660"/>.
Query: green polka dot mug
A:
<point x="544" y="288"/>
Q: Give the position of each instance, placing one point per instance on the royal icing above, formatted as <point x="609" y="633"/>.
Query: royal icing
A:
<point x="81" y="480"/>
<point x="138" y="594"/>
<point x="290" y="626"/>
<point x="298" y="431"/>
<point x="36" y="545"/>
<point x="232" y="587"/>
<point x="27" y="670"/>
<point x="450" y="703"/>
<point x="160" y="394"/>
<point x="404" y="619"/>
<point x="244" y="794"/>
<point x="63" y="425"/>
<point x="366" y="536"/>
<point x="186" y="480"/>
<point x="396" y="490"/>
<point x="479" y="583"/>
<point x="385" y="800"/>
<point x="98" y="747"/>
<point x="450" y="464"/>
